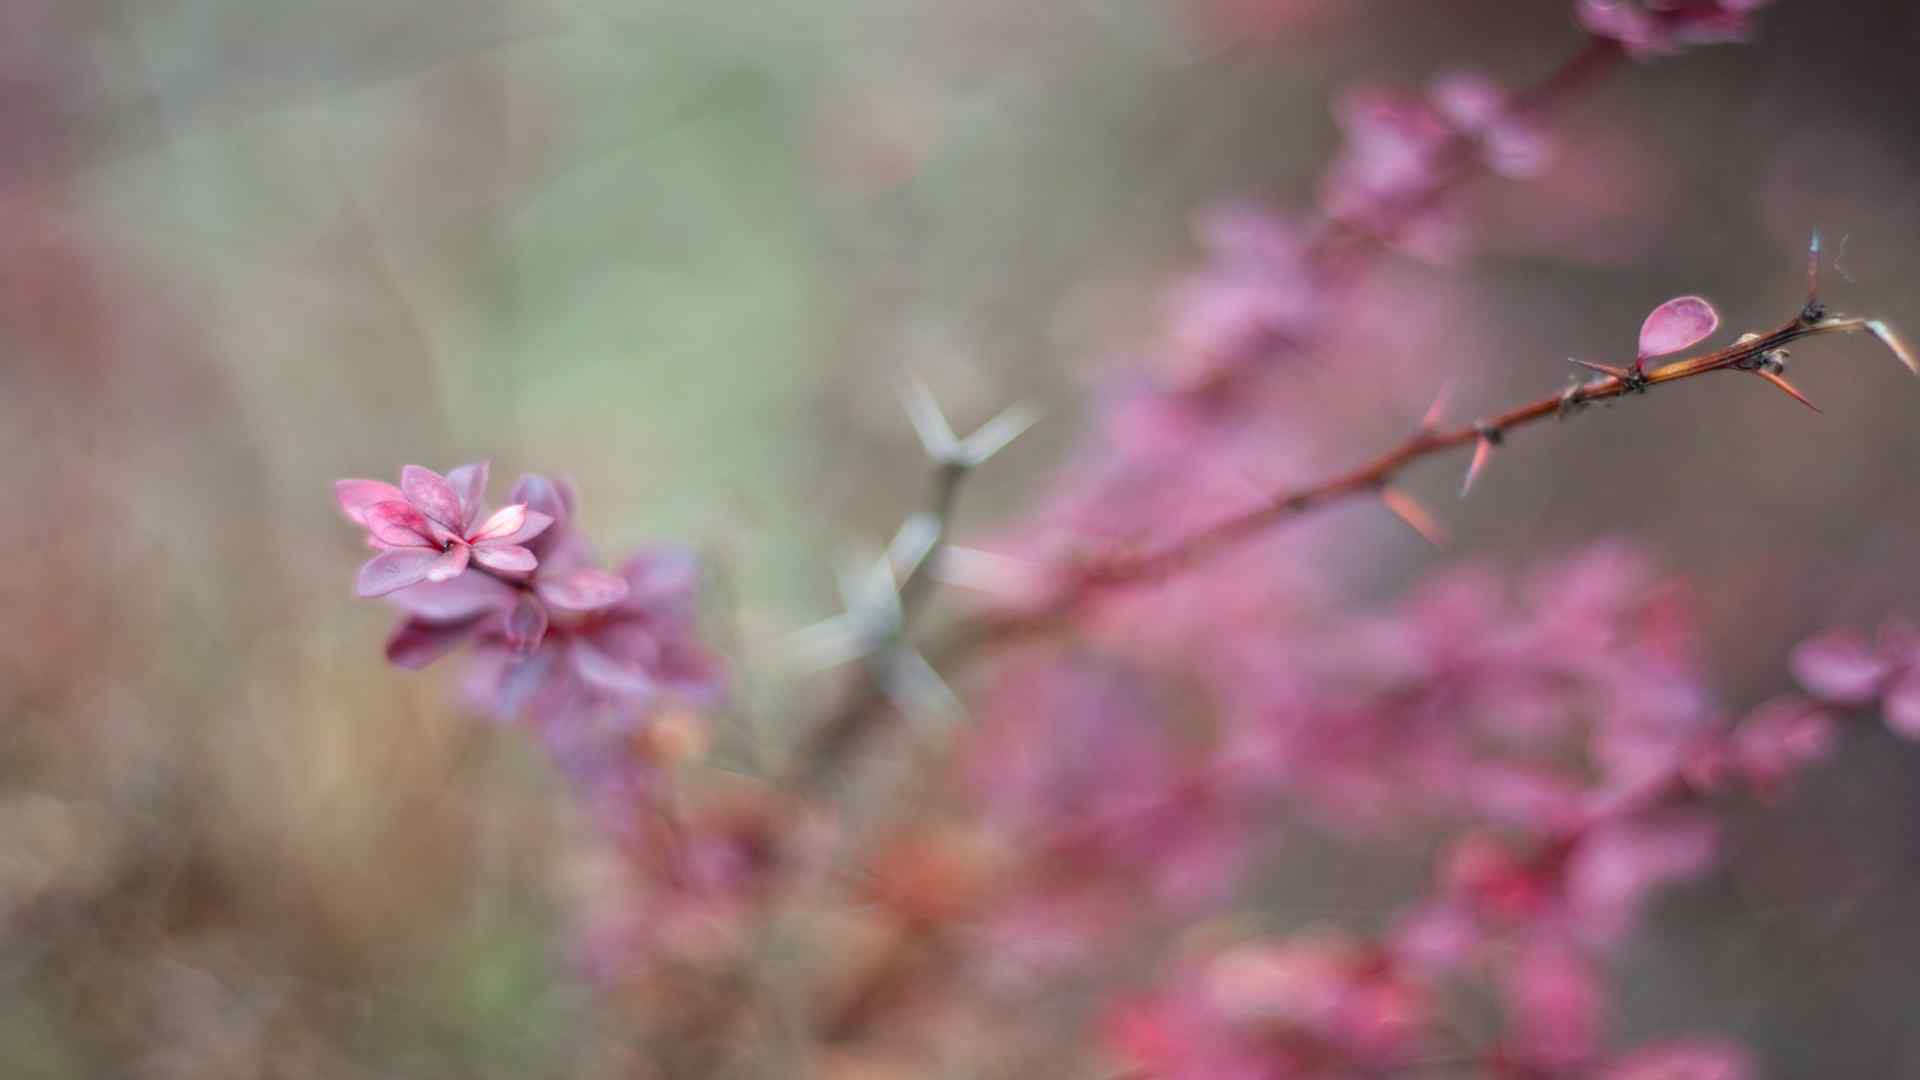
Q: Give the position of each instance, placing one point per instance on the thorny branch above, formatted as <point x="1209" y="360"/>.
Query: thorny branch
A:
<point x="1084" y="582"/>
<point x="1338" y="248"/>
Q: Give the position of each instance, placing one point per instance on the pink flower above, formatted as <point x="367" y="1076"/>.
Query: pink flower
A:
<point x="1649" y="28"/>
<point x="430" y="527"/>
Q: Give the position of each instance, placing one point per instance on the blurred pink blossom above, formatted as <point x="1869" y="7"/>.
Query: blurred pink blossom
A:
<point x="1648" y="28"/>
<point x="1401" y="151"/>
<point x="1682" y="1059"/>
<point x="1843" y="667"/>
<point x="1309" y="1006"/>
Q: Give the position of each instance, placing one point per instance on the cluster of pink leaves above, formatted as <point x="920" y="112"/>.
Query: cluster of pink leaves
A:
<point x="1662" y="27"/>
<point x="1564" y="737"/>
<point x="1844" y="669"/>
<point x="1560" y="734"/>
<point x="583" y="655"/>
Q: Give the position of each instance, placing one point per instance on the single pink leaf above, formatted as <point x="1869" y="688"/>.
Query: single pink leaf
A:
<point x="542" y="494"/>
<point x="356" y="497"/>
<point x="416" y="643"/>
<point x="449" y="565"/>
<point x="1839" y="666"/>
<point x="504" y="523"/>
<point x="526" y="623"/>
<point x="535" y="524"/>
<point x="1678" y="324"/>
<point x="584" y="589"/>
<point x="469" y="482"/>
<point x="398" y="524"/>
<point x="662" y="576"/>
<point x="511" y="558"/>
<point x="605" y="672"/>
<point x="1902" y="706"/>
<point x="459" y="598"/>
<point x="395" y="569"/>
<point x="430" y="493"/>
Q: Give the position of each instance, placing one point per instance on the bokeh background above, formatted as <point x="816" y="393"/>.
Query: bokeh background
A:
<point x="677" y="251"/>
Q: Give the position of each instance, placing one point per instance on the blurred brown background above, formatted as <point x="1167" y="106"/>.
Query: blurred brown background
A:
<point x="676" y="250"/>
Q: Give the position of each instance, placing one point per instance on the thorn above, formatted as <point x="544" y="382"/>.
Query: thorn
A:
<point x="916" y="688"/>
<point x="1570" y="398"/>
<point x="994" y="435"/>
<point x="912" y="543"/>
<point x="1894" y="342"/>
<point x="1813" y="269"/>
<point x="826" y="644"/>
<point x="990" y="572"/>
<point x="1408" y="509"/>
<point x="929" y="423"/>
<point x="1482" y="452"/>
<point x="1786" y="387"/>
<point x="1438" y="409"/>
<point x="1605" y="369"/>
<point x="936" y="434"/>
<point x="871" y="596"/>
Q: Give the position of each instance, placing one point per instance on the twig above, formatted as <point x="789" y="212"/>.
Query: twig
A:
<point x="1086" y="581"/>
<point x="1338" y="247"/>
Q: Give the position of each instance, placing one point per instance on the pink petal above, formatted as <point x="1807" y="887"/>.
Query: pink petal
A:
<point x="1902" y="706"/>
<point x="414" y="643"/>
<point x="449" y="565"/>
<point x="395" y="569"/>
<point x="511" y="558"/>
<point x="584" y="589"/>
<point x="535" y="524"/>
<point x="1839" y="666"/>
<point x="663" y="574"/>
<point x="539" y="493"/>
<point x="505" y="522"/>
<point x="430" y="493"/>
<point x="460" y="598"/>
<point x="1779" y="738"/>
<point x="1677" y="324"/>
<point x="356" y="497"/>
<point x="526" y="624"/>
<point x="1555" y="1006"/>
<point x="606" y="673"/>
<point x="469" y="482"/>
<point x="398" y="524"/>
